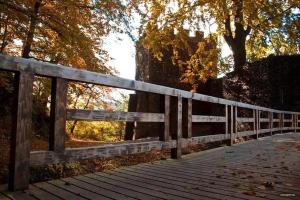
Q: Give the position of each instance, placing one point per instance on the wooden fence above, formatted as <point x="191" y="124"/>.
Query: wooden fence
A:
<point x="22" y="158"/>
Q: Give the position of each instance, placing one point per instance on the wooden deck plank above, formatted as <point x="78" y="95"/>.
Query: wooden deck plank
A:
<point x="117" y="189"/>
<point x="77" y="190"/>
<point x="41" y="194"/>
<point x="268" y="168"/>
<point x="98" y="190"/>
<point x="64" y="194"/>
<point x="183" y="192"/>
<point x="131" y="186"/>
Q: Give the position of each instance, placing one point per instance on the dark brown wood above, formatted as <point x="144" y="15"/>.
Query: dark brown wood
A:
<point x="51" y="70"/>
<point x="21" y="132"/>
<point x="227" y="120"/>
<point x="271" y="123"/>
<point x="189" y="121"/>
<point x="176" y="152"/>
<point x="58" y="115"/>
<point x="166" y="133"/>
<point x="231" y="126"/>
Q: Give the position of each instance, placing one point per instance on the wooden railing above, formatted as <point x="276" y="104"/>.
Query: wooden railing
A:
<point x="22" y="158"/>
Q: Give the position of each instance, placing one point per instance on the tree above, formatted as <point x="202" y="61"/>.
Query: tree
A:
<point x="241" y="23"/>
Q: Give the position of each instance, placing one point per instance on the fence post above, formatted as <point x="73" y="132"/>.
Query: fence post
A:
<point x="226" y="123"/>
<point x="231" y="125"/>
<point x="257" y="122"/>
<point x="282" y="122"/>
<point x="294" y="119"/>
<point x="254" y="121"/>
<point x="176" y="153"/>
<point x="58" y="115"/>
<point x="19" y="173"/>
<point x="166" y="133"/>
<point x="190" y="115"/>
<point x="271" y="122"/>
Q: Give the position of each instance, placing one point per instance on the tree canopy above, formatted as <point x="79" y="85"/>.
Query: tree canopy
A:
<point x="252" y="29"/>
<point x="68" y="32"/>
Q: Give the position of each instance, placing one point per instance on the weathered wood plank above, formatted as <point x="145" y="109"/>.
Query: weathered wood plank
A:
<point x="190" y="118"/>
<point x="102" y="151"/>
<point x="41" y="194"/>
<point x="166" y="133"/>
<point x="90" y="185"/>
<point x="102" y="115"/>
<point x="52" y="70"/>
<point x="245" y="120"/>
<point x="264" y="120"/>
<point x="64" y="194"/>
<point x="231" y="126"/>
<point x="227" y="120"/>
<point x="104" y="185"/>
<point x="204" y="139"/>
<point x="21" y="132"/>
<point x="176" y="152"/>
<point x="203" y="118"/>
<point x="58" y="115"/>
<point x="77" y="190"/>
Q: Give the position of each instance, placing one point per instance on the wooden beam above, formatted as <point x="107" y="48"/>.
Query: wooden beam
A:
<point x="203" y="118"/>
<point x="190" y="118"/>
<point x="245" y="120"/>
<point x="264" y="120"/>
<point x="21" y="132"/>
<point x="51" y="70"/>
<point x="254" y="122"/>
<point x="227" y="120"/>
<point x="231" y="126"/>
<point x="58" y="115"/>
<point x="39" y="158"/>
<point x="166" y="134"/>
<point x="176" y="152"/>
<point x="271" y="122"/>
<point x="102" y="115"/>
<point x="235" y="121"/>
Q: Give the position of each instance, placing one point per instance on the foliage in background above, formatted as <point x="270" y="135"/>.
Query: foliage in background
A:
<point x="99" y="131"/>
<point x="67" y="32"/>
<point x="252" y="29"/>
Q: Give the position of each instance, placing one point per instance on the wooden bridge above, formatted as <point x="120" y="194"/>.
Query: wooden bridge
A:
<point x="224" y="173"/>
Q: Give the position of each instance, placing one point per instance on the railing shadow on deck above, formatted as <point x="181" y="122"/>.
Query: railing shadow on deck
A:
<point x="22" y="158"/>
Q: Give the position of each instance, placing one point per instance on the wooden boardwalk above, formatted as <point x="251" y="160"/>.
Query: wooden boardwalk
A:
<point x="268" y="168"/>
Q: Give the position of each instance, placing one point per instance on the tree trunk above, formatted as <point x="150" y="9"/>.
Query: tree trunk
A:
<point x="237" y="41"/>
<point x="238" y="48"/>
<point x="32" y="27"/>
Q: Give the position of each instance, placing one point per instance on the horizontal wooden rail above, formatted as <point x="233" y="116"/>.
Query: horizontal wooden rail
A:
<point x="16" y="64"/>
<point x="245" y="120"/>
<point x="176" y="117"/>
<point x="101" y="115"/>
<point x="203" y="118"/>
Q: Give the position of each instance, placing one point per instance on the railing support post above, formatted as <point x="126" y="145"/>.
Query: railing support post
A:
<point x="254" y="121"/>
<point x="166" y="134"/>
<point x="294" y="124"/>
<point x="176" y="153"/>
<point x="58" y="115"/>
<point x="21" y="132"/>
<point x="271" y="122"/>
<point x="190" y="115"/>
<point x="226" y="123"/>
<point x="282" y="122"/>
<point x="231" y="126"/>
<point x="257" y="123"/>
